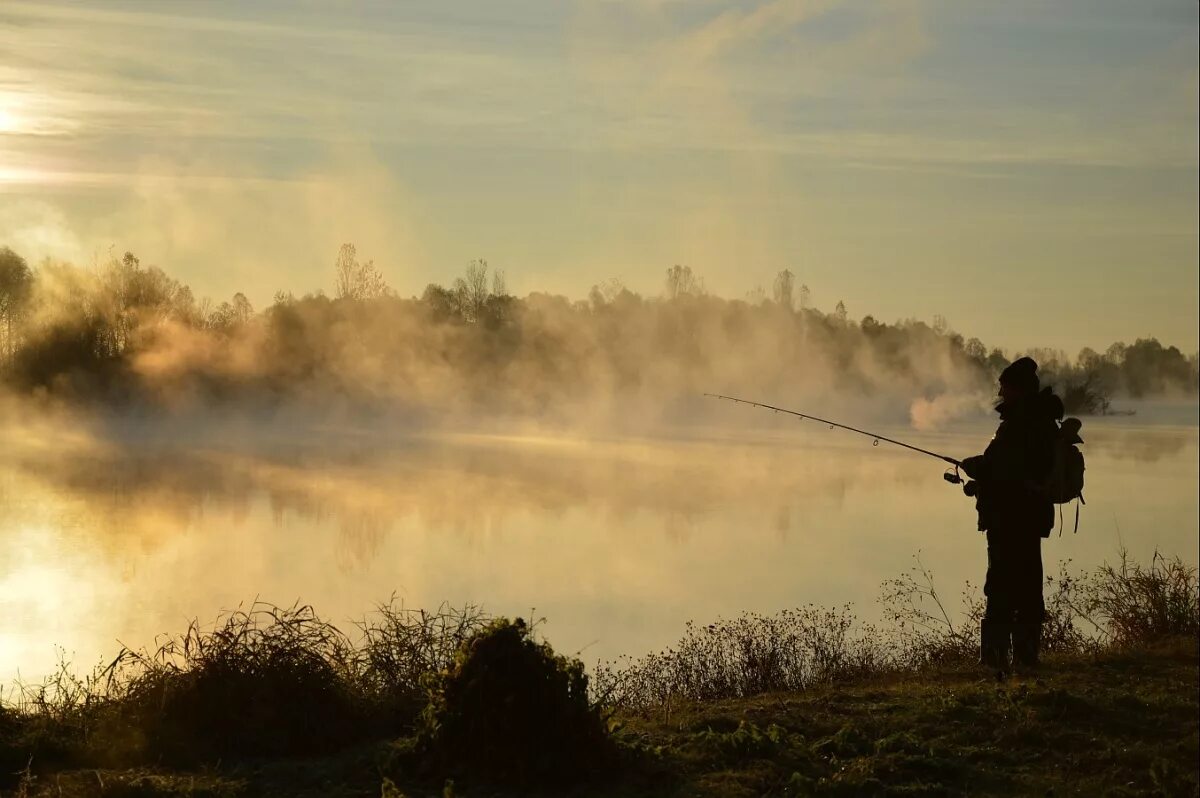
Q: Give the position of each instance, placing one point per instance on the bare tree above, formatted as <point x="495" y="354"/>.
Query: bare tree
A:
<point x="1088" y="359"/>
<point x="228" y="315"/>
<point x="356" y="280"/>
<point x="242" y="309"/>
<point x="682" y="282"/>
<point x="345" y="268"/>
<point x="16" y="281"/>
<point x="606" y="292"/>
<point x="471" y="290"/>
<point x="136" y="298"/>
<point x="785" y="282"/>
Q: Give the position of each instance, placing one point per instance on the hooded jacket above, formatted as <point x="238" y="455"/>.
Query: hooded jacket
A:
<point x="1012" y="470"/>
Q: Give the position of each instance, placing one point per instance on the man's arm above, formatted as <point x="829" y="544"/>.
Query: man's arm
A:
<point x="976" y="467"/>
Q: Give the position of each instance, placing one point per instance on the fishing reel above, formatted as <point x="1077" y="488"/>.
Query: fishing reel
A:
<point x="969" y="486"/>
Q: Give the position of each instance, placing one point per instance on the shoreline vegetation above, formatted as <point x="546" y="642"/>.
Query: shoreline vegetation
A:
<point x="809" y="701"/>
<point x="125" y="334"/>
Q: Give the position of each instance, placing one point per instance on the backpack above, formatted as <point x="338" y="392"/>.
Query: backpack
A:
<point x="1065" y="481"/>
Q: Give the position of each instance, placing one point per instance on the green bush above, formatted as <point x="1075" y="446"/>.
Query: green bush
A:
<point x="509" y="710"/>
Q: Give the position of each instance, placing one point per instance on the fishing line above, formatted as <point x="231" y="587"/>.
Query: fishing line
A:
<point x="876" y="438"/>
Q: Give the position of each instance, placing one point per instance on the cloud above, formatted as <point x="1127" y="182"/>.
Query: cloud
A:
<point x="720" y="82"/>
<point x="842" y="82"/>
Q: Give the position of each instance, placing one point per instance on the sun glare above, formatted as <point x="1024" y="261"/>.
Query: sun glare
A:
<point x="10" y="116"/>
<point x="18" y="114"/>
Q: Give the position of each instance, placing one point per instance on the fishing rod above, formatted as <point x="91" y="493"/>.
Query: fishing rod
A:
<point x="877" y="438"/>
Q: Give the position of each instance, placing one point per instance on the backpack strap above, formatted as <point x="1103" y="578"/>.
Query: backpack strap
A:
<point x="1076" y="515"/>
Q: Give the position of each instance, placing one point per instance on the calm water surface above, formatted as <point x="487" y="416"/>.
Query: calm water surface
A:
<point x="616" y="542"/>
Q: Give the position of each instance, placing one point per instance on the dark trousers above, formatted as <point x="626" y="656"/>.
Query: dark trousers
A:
<point x="1014" y="578"/>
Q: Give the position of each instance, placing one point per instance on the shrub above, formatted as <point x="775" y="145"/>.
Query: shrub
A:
<point x="402" y="647"/>
<point x="1127" y="604"/>
<point x="262" y="682"/>
<point x="269" y="681"/>
<point x="1136" y="604"/>
<point x="510" y="710"/>
<point x="1086" y="396"/>
<point x="747" y="655"/>
<point x="12" y="754"/>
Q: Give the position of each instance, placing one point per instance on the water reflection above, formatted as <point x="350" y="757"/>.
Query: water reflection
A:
<point x="455" y="483"/>
<point x="616" y="541"/>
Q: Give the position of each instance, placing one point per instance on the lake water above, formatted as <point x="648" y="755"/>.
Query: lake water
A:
<point x="615" y="541"/>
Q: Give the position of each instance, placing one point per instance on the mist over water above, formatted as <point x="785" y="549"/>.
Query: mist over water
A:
<point x="121" y="528"/>
<point x="167" y="459"/>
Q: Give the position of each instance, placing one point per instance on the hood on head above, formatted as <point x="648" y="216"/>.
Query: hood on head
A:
<point x="1022" y="374"/>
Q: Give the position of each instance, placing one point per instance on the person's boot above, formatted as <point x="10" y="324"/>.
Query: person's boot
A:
<point x="1027" y="643"/>
<point x="994" y="645"/>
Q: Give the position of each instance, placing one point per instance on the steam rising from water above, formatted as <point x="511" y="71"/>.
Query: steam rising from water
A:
<point x="128" y="528"/>
<point x="164" y="459"/>
<point x="931" y="414"/>
<point x="473" y="356"/>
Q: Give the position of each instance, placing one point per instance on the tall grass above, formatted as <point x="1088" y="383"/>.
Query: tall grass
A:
<point x="1115" y="606"/>
<point x="1136" y="604"/>
<point x="271" y="681"/>
<point x="750" y="654"/>
<point x="400" y="648"/>
<point x="262" y="681"/>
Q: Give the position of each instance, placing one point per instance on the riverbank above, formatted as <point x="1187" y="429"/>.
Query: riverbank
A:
<point x="1116" y="723"/>
<point x="809" y="701"/>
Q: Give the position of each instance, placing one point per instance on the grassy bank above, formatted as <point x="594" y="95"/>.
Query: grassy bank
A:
<point x="279" y="702"/>
<point x="1118" y="723"/>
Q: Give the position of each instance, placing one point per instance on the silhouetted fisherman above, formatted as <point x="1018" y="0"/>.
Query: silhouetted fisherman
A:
<point x="1016" y="513"/>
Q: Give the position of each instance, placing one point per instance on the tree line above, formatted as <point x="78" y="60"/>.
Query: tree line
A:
<point x="126" y="331"/>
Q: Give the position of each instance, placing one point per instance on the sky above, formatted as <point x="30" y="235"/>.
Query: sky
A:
<point x="1026" y="169"/>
